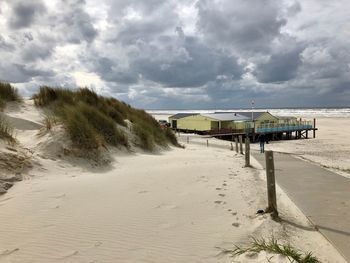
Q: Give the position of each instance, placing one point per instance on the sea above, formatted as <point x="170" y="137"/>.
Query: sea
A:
<point x="283" y="112"/>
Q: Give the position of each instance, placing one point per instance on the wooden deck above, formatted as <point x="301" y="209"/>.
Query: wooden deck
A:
<point x="287" y="133"/>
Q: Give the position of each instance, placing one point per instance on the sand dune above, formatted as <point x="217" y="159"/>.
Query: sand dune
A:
<point x="181" y="205"/>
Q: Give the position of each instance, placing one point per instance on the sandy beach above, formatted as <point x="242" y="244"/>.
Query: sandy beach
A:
<point x="180" y="205"/>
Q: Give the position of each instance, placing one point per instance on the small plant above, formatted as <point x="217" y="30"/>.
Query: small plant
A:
<point x="272" y="246"/>
<point x="49" y="122"/>
<point x="6" y="131"/>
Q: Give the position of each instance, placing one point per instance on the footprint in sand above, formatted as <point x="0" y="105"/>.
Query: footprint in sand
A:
<point x="220" y="202"/>
<point x="143" y="192"/>
<point x="58" y="196"/>
<point x="218" y="188"/>
<point x="70" y="254"/>
<point x="97" y="244"/>
<point x="222" y="195"/>
<point x="235" y="224"/>
<point x="9" y="252"/>
<point x="166" y="206"/>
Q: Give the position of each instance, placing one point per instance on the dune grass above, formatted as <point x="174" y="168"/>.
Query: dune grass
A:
<point x="274" y="247"/>
<point x="6" y="131"/>
<point x="8" y="93"/>
<point x="91" y="120"/>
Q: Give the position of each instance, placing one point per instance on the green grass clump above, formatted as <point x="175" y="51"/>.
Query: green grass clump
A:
<point x="49" y="122"/>
<point x="145" y="137"/>
<point x="48" y="95"/>
<point x="272" y="246"/>
<point x="6" y="131"/>
<point x="101" y="123"/>
<point x="8" y="93"/>
<point x="80" y="131"/>
<point x="90" y="119"/>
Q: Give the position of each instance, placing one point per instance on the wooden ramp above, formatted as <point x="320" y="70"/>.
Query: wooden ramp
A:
<point x="323" y="196"/>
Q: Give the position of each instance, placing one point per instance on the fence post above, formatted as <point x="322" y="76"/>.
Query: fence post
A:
<point x="271" y="185"/>
<point x="240" y="144"/>
<point x="188" y="139"/>
<point x="314" y="135"/>
<point x="231" y="147"/>
<point x="236" y="141"/>
<point x="207" y="143"/>
<point x="247" y="152"/>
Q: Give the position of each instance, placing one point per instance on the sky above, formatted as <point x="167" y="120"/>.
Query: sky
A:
<point x="182" y="54"/>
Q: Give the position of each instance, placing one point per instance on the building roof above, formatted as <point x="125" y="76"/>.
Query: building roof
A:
<point x="231" y="116"/>
<point x="286" y="117"/>
<point x="182" y="115"/>
<point x="248" y="114"/>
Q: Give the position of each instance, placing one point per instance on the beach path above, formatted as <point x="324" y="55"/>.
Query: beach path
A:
<point x="323" y="196"/>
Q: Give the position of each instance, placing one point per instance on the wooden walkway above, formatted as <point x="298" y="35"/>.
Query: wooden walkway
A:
<point x="272" y="135"/>
<point x="323" y="196"/>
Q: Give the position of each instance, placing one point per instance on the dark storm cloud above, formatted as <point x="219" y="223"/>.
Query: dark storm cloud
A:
<point x="34" y="51"/>
<point x="187" y="67"/>
<point x="281" y="66"/>
<point x="110" y="72"/>
<point x="244" y="25"/>
<point x="74" y="22"/>
<point x="24" y="13"/>
<point x="179" y="53"/>
<point x="18" y="73"/>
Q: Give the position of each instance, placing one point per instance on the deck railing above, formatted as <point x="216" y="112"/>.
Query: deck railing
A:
<point x="226" y="131"/>
<point x="282" y="127"/>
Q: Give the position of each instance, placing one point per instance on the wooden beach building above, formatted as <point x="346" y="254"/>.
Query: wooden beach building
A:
<point x="252" y="124"/>
<point x="203" y="123"/>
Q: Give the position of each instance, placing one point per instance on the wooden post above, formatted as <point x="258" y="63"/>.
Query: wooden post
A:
<point x="240" y="144"/>
<point x="271" y="185"/>
<point x="231" y="146"/>
<point x="236" y="141"/>
<point x="188" y="139"/>
<point x="247" y="152"/>
<point x="314" y="135"/>
<point x="207" y="143"/>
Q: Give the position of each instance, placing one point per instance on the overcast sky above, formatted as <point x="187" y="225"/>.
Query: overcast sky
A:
<point x="170" y="54"/>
